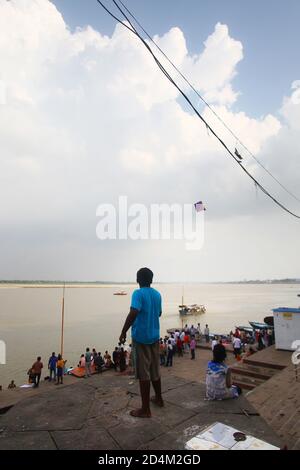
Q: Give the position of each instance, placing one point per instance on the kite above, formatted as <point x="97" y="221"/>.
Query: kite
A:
<point x="199" y="206"/>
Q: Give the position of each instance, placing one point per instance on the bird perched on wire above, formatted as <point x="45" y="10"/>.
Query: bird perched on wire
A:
<point x="237" y="154"/>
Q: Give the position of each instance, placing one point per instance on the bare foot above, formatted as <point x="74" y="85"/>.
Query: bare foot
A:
<point x="140" y="413"/>
<point x="157" y="401"/>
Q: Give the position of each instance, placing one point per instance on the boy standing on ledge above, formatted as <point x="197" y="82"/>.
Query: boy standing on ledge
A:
<point x="143" y="317"/>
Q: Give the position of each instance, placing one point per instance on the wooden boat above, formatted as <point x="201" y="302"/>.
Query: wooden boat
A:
<point x="80" y="371"/>
<point x="122" y="292"/>
<point x="185" y="310"/>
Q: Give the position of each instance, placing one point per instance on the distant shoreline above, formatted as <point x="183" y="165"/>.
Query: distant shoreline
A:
<point x="103" y="284"/>
<point x="20" y="285"/>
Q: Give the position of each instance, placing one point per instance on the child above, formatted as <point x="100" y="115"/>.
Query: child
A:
<point x="31" y="376"/>
<point x="193" y="347"/>
<point x="60" y="369"/>
<point x="12" y="385"/>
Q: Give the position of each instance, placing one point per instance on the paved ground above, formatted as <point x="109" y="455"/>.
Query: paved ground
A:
<point x="94" y="414"/>
<point x="10" y="398"/>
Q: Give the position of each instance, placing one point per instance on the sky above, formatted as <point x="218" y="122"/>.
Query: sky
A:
<point x="267" y="29"/>
<point x="85" y="116"/>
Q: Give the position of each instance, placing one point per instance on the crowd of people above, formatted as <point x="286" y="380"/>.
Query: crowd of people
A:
<point x="246" y="343"/>
<point x="90" y="362"/>
<point x="56" y="367"/>
<point x="218" y="374"/>
<point x="178" y="343"/>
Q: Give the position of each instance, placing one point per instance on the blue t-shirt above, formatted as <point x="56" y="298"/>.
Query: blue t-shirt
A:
<point x="52" y="362"/>
<point x="145" y="328"/>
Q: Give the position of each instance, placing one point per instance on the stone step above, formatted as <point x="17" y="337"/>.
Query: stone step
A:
<point x="248" y="383"/>
<point x="255" y="372"/>
<point x="242" y="385"/>
<point x="264" y="370"/>
<point x="267" y="365"/>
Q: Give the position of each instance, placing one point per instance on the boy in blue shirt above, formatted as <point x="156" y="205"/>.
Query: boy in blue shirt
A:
<point x="52" y="366"/>
<point x="143" y="317"/>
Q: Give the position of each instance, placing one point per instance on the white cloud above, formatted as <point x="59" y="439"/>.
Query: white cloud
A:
<point x="214" y="68"/>
<point x="88" y="117"/>
<point x="137" y="160"/>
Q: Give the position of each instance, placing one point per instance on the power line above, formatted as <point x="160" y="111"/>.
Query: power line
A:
<point x="237" y="160"/>
<point x="203" y="99"/>
<point x="115" y="17"/>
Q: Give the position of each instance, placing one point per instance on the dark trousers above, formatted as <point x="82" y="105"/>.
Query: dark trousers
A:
<point x="37" y="378"/>
<point x="59" y="375"/>
<point x="169" y="359"/>
<point x="207" y="338"/>
<point x="237" y="351"/>
<point x="162" y="358"/>
<point x="52" y="372"/>
<point x="193" y="353"/>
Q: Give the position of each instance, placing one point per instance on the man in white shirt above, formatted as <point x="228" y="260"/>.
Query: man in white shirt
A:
<point x="213" y="343"/>
<point x="206" y="333"/>
<point x="177" y="335"/>
<point x="237" y="346"/>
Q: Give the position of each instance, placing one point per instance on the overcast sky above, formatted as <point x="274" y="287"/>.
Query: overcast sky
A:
<point x="85" y="116"/>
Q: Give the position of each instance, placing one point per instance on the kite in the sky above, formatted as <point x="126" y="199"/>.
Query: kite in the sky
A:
<point x="199" y="206"/>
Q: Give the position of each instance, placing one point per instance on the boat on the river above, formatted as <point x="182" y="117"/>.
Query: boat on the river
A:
<point x="194" y="309"/>
<point x="260" y="326"/>
<point x="122" y="292"/>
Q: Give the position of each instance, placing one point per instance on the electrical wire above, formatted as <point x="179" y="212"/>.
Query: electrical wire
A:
<point x="238" y="140"/>
<point x="134" y="31"/>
